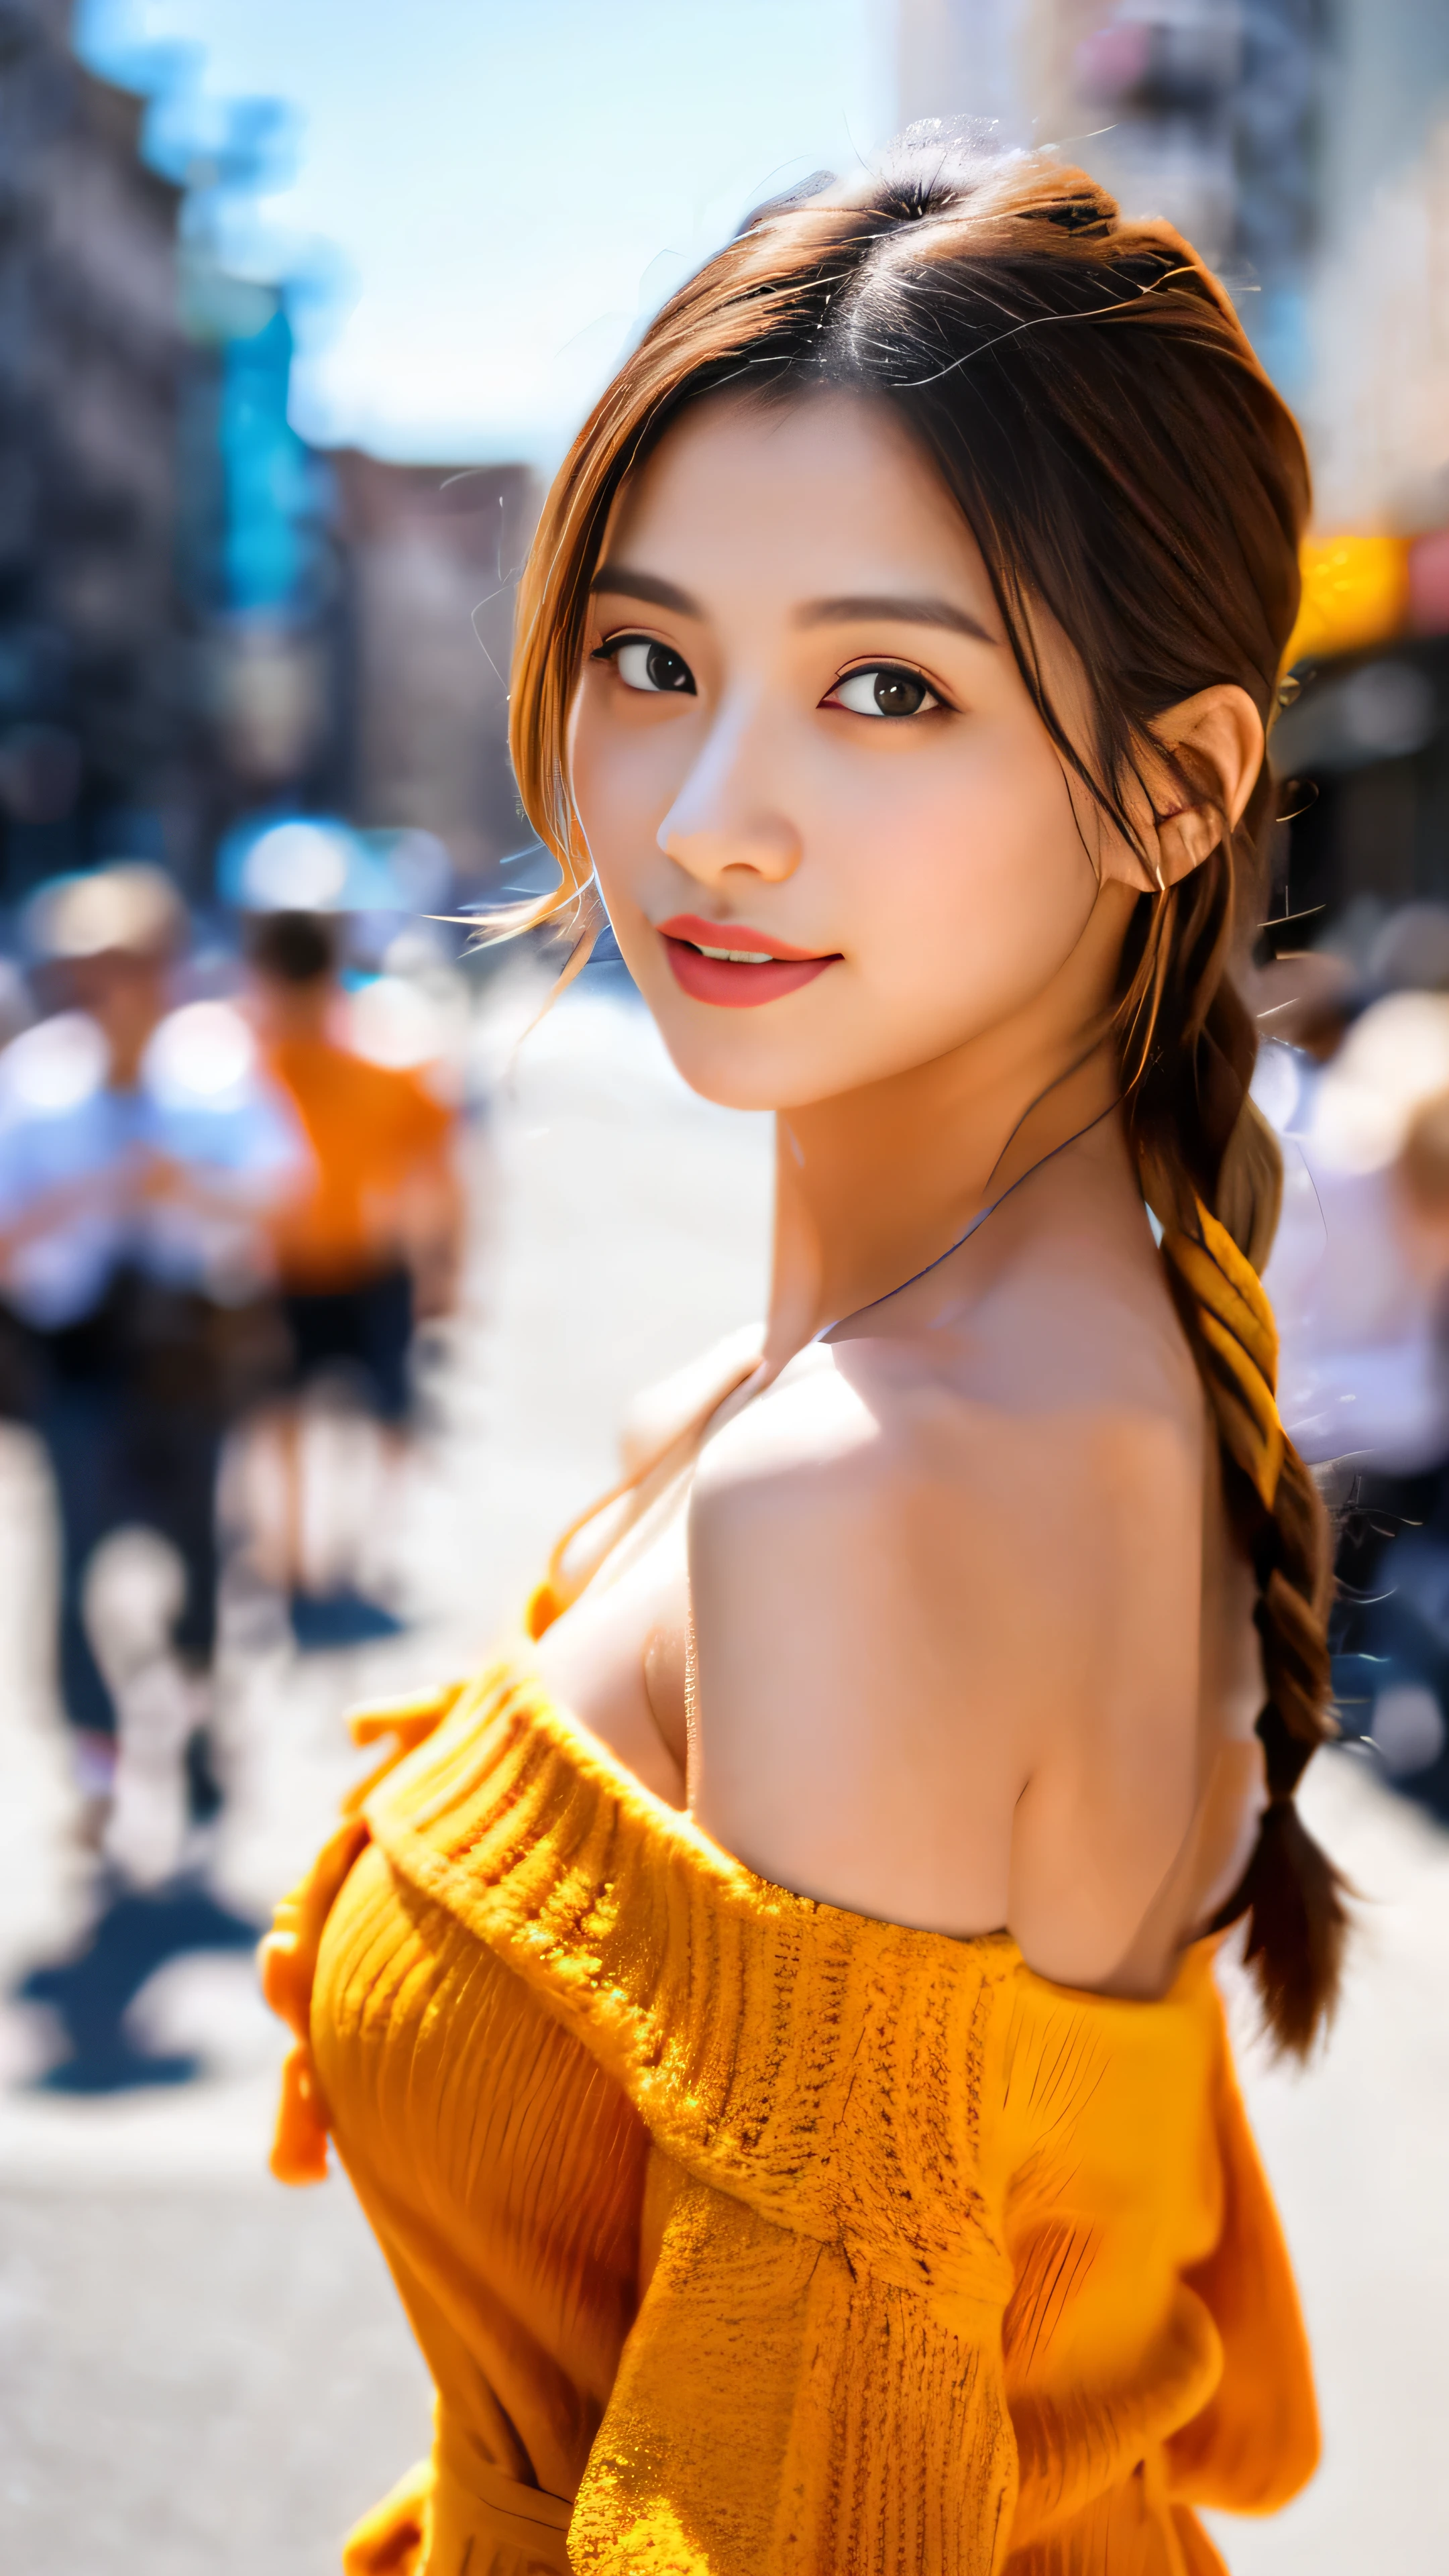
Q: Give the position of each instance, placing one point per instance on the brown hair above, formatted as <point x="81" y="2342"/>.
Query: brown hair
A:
<point x="293" y="947"/>
<point x="1084" y="390"/>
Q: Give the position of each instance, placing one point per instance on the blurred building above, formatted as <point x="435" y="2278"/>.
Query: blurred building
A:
<point x="259" y="559"/>
<point x="1303" y="145"/>
<point x="1200" y="110"/>
<point x="431" y="557"/>
<point x="202" y="619"/>
<point x="93" y="720"/>
<point x="1369" y="735"/>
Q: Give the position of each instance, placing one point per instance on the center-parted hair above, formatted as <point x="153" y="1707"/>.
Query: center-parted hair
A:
<point x="1085" y="392"/>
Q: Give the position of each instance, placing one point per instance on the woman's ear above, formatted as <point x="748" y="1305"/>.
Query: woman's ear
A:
<point x="1216" y="735"/>
<point x="1221" y="732"/>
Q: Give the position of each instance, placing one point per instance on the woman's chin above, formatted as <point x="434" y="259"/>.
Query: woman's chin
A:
<point x="713" y="1077"/>
<point x="719" y="1068"/>
<point x="738" y="1061"/>
<point x="755" y="1077"/>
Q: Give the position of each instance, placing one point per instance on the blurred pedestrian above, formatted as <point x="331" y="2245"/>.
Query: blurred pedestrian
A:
<point x="368" y="1249"/>
<point x="1392" y="1631"/>
<point x="1359" y="1374"/>
<point x="140" y="1148"/>
<point x="1358" y="1277"/>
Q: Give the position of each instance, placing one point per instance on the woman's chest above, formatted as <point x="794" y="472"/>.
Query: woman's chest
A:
<point x="474" y="2125"/>
<point x="621" y="1655"/>
<point x="618" y="1658"/>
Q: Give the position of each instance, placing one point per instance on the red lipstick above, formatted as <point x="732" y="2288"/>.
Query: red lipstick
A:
<point x="733" y="965"/>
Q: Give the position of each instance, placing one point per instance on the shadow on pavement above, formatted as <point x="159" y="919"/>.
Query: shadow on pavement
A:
<point x="89" y="1992"/>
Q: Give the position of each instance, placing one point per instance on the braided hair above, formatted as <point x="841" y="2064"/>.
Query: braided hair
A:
<point x="1084" y="390"/>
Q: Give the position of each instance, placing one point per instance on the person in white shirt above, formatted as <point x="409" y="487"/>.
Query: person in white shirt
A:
<point x="140" y="1149"/>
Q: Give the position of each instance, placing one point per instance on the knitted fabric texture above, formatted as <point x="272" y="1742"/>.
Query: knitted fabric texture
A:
<point x="745" y="2236"/>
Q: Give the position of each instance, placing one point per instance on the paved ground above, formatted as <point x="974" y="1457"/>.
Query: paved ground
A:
<point x="205" y="2375"/>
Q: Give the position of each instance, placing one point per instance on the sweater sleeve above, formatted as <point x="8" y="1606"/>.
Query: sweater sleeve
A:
<point x="1257" y="2440"/>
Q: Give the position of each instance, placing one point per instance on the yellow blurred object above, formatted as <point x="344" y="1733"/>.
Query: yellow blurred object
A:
<point x="1355" y="592"/>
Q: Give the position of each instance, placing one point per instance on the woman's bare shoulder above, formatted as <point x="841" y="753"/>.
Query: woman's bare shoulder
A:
<point x="932" y="1601"/>
<point x="1075" y="1362"/>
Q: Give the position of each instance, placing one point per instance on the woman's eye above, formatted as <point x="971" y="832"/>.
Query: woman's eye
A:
<point x="888" y="689"/>
<point x="642" y="665"/>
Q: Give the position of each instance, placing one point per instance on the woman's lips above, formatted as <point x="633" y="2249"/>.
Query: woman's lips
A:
<point x="728" y="963"/>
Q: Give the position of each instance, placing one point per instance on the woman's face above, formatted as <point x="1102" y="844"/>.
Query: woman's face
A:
<point x="832" y="832"/>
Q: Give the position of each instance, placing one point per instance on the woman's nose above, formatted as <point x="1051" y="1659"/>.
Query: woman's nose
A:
<point x="725" y="815"/>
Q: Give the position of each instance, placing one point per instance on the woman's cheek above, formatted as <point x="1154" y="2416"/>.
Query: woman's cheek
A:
<point x="619" y="807"/>
<point x="964" y="900"/>
<point x="923" y="861"/>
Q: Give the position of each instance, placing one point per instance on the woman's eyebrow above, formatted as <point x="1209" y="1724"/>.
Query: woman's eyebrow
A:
<point x="900" y="612"/>
<point x="628" y="581"/>
<point x="624" y="582"/>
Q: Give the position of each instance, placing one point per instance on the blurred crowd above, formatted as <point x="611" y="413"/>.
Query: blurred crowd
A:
<point x="232" y="1088"/>
<point x="232" y="1191"/>
<point x="1354" y="1076"/>
<point x="229" y="1195"/>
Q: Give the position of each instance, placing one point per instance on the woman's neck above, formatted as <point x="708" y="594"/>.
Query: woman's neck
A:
<point x="875" y="1184"/>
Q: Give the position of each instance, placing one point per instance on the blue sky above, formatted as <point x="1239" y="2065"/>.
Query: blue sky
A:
<point x="510" y="185"/>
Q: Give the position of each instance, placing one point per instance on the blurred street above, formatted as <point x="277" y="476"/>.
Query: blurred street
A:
<point x="197" y="2366"/>
<point x="328" y="1270"/>
<point x="200" y="2371"/>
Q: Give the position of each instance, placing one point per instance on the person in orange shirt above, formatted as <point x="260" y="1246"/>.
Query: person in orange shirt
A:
<point x="371" y="1242"/>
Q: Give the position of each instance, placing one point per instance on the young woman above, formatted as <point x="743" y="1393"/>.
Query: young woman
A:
<point x="769" y="2019"/>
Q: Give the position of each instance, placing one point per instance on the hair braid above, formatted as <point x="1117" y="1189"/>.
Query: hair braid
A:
<point x="1211" y="1172"/>
<point x="1084" y="391"/>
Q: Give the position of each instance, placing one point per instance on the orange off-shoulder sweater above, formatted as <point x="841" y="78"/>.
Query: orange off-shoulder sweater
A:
<point x="749" y="2237"/>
